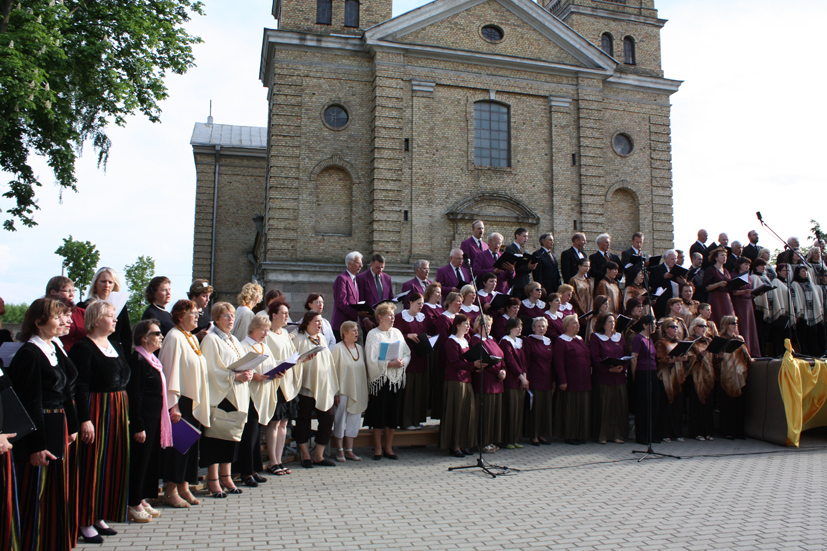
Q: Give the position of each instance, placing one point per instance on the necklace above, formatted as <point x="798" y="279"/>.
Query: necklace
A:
<point x="232" y="344"/>
<point x="253" y="346"/>
<point x="356" y="359"/>
<point x="190" y="339"/>
<point x="315" y="341"/>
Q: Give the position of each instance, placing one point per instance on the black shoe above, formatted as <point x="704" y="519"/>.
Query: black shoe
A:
<point x="545" y="442"/>
<point x="467" y="451"/>
<point x="572" y="441"/>
<point x="390" y="456"/>
<point x="106" y="531"/>
<point x="307" y="463"/>
<point x="258" y="478"/>
<point x="324" y="463"/>
<point x="377" y="457"/>
<point x="249" y="481"/>
<point x="94" y="539"/>
<point x="234" y="491"/>
<point x="581" y="441"/>
<point x="456" y="453"/>
<point x="533" y="443"/>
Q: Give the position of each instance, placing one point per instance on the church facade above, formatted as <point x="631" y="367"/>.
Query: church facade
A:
<point x="392" y="135"/>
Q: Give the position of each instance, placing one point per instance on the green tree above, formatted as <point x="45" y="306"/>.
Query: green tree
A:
<point x="70" y="67"/>
<point x="15" y="313"/>
<point x="137" y="278"/>
<point x="80" y="259"/>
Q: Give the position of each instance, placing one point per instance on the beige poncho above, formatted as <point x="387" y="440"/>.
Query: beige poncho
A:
<point x="281" y="347"/>
<point x="265" y="393"/>
<point x="219" y="351"/>
<point x="353" y="376"/>
<point x="378" y="370"/>
<point x="186" y="373"/>
<point x="318" y="376"/>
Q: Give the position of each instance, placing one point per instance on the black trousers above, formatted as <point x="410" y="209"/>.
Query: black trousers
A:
<point x="249" y="449"/>
<point x="145" y="463"/>
<point x="647" y="402"/>
<point x="301" y="433"/>
<point x="700" y="415"/>
<point x="733" y="412"/>
<point x="670" y="416"/>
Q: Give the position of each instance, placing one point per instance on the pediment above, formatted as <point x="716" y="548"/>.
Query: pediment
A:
<point x="530" y="33"/>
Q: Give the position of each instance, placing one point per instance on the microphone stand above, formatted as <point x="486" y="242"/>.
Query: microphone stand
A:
<point x="649" y="451"/>
<point x="789" y="280"/>
<point x="481" y="463"/>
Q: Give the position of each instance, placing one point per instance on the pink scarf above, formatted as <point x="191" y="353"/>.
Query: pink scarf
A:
<point x="166" y="424"/>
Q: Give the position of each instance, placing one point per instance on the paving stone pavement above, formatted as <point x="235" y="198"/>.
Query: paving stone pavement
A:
<point x="723" y="494"/>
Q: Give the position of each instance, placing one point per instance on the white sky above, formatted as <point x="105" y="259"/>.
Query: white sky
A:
<point x="746" y="136"/>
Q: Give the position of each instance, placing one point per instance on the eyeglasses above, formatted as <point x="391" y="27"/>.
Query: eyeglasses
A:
<point x="227" y="317"/>
<point x="672" y="327"/>
<point x="702" y="326"/>
<point x="154" y="333"/>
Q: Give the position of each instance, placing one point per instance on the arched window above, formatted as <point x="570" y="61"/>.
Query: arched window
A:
<point x="352" y="13"/>
<point x="324" y="12"/>
<point x="492" y="135"/>
<point x="607" y="44"/>
<point x="629" y="50"/>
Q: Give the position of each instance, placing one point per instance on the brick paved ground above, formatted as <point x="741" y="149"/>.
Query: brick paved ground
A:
<point x="563" y="497"/>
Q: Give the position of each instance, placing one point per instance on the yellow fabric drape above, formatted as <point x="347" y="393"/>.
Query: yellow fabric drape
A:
<point x="803" y="390"/>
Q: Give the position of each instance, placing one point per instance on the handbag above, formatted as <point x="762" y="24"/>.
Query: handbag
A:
<point x="226" y="425"/>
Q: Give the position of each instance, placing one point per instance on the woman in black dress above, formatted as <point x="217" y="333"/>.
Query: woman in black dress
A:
<point x="149" y="422"/>
<point x="158" y="294"/>
<point x="40" y="378"/>
<point x="105" y="283"/>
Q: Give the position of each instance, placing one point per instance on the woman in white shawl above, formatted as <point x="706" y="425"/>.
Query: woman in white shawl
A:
<point x="386" y="379"/>
<point x="247" y="299"/>
<point x="319" y="387"/>
<point x="808" y="304"/>
<point x="229" y="401"/>
<point x="349" y="359"/>
<point x="188" y="399"/>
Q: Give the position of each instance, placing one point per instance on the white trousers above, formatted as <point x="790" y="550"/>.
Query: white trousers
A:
<point x="344" y="423"/>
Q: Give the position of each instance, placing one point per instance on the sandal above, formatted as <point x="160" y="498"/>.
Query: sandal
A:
<point x="277" y="470"/>
<point x="133" y="515"/>
<point x="285" y="469"/>
<point x="340" y="457"/>
<point x="180" y="504"/>
<point x="700" y="438"/>
<point x="220" y="494"/>
<point x="189" y="498"/>
<point x="352" y="456"/>
<point x="230" y="490"/>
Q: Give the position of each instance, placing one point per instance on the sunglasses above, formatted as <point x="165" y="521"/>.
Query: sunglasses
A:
<point x="155" y="333"/>
<point x="672" y="327"/>
<point x="702" y="326"/>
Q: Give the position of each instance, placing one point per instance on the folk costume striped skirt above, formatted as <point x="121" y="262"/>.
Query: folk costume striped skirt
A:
<point x="103" y="465"/>
<point x="47" y="499"/>
<point x="9" y="518"/>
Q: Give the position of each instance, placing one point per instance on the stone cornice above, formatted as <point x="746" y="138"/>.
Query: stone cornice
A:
<point x="644" y="84"/>
<point x="610" y="14"/>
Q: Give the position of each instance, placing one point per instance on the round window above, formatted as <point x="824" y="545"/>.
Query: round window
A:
<point x="492" y="33"/>
<point x="335" y="117"/>
<point x="622" y="144"/>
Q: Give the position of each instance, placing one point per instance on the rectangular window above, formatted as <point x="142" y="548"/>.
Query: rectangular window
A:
<point x="492" y="139"/>
<point x="324" y="12"/>
<point x="352" y="13"/>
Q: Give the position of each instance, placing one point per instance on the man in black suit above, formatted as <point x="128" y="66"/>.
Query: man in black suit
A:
<point x="696" y="278"/>
<point x="789" y="256"/>
<point x="601" y="257"/>
<point x="547" y="272"/>
<point x="570" y="257"/>
<point x="522" y="275"/>
<point x="661" y="276"/>
<point x="635" y="250"/>
<point x="752" y="248"/>
<point x="700" y="247"/>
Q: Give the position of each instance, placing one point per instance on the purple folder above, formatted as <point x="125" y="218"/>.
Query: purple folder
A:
<point x="184" y="436"/>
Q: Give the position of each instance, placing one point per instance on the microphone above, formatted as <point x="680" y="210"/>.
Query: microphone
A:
<point x="760" y="218"/>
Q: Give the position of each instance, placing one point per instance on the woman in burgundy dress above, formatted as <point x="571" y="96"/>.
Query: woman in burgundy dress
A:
<point x="554" y="317"/>
<point x="572" y="365"/>
<point x="411" y="323"/>
<point x="716" y="278"/>
<point x="538" y="356"/>
<point x="611" y="409"/>
<point x="432" y="308"/>
<point x="516" y="383"/>
<point x="442" y="326"/>
<point x="491" y="405"/>
<point x="744" y="306"/>
<point x="512" y="309"/>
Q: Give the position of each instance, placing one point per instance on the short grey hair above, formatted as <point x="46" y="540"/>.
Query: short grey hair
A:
<point x="544" y="237"/>
<point x="495" y="235"/>
<point x="670" y="252"/>
<point x="352" y="256"/>
<point x="602" y="237"/>
<point x="418" y="264"/>
<point x="455" y="251"/>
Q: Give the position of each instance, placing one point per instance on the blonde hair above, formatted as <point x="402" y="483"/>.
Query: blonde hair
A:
<point x="347" y="326"/>
<point x="726" y="321"/>
<point x="565" y="288"/>
<point x="257" y="323"/>
<point x="480" y="319"/>
<point x="531" y="287"/>
<point x="95" y="311"/>
<point x="112" y="273"/>
<point x="384" y="309"/>
<point x="219" y="308"/>
<point x="452" y="296"/>
<point x="465" y="291"/>
<point x="695" y="322"/>
<point x="568" y="320"/>
<point x="248" y="294"/>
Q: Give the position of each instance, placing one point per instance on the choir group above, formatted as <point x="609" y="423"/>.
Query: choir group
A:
<point x="529" y="347"/>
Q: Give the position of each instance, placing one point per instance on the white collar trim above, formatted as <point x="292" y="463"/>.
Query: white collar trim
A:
<point x="462" y="342"/>
<point x="434" y="306"/>
<point x="538" y="304"/>
<point x="614" y="338"/>
<point x="569" y="339"/>
<point x="46" y="347"/>
<point x="517" y="343"/>
<point x="558" y="315"/>
<point x="472" y="308"/>
<point x="409" y="318"/>
<point x="448" y="314"/>
<point x="546" y="340"/>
